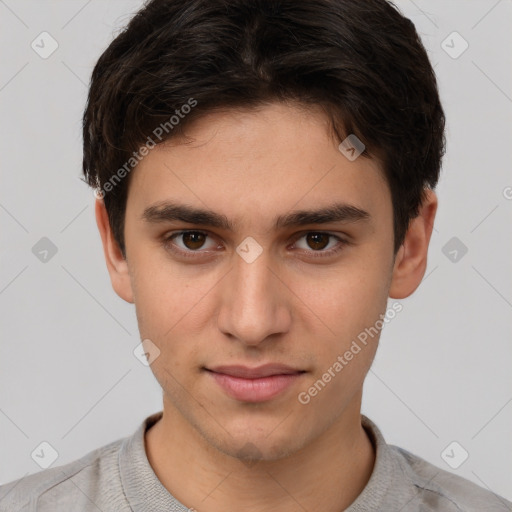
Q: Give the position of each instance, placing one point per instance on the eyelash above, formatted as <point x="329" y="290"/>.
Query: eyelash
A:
<point x="167" y="242"/>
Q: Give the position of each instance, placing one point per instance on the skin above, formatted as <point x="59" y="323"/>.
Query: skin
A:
<point x="286" y="306"/>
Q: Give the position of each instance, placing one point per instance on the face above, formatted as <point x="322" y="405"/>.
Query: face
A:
<point x="247" y="292"/>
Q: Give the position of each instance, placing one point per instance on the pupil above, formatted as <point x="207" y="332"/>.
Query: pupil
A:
<point x="195" y="239"/>
<point x="316" y="237"/>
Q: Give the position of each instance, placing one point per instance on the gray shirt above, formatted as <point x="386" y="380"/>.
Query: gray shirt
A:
<point x="118" y="477"/>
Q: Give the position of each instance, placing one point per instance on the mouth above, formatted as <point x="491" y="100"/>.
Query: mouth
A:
<point x="257" y="384"/>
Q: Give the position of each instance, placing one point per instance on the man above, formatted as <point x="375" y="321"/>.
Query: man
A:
<point x="265" y="177"/>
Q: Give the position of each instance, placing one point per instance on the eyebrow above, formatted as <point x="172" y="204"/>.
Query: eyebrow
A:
<point x="166" y="211"/>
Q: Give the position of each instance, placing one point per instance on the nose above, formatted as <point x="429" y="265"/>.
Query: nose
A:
<point x="254" y="301"/>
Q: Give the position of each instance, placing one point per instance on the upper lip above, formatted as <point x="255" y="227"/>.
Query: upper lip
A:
<point x="253" y="373"/>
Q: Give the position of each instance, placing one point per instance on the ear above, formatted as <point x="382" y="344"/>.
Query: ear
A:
<point x="411" y="259"/>
<point x="117" y="266"/>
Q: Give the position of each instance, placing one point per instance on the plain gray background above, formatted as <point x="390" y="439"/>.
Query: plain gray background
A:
<point x="68" y="375"/>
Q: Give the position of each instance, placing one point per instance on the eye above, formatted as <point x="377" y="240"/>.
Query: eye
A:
<point x="317" y="241"/>
<point x="192" y="241"/>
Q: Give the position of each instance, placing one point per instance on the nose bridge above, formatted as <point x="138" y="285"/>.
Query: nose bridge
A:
<point x="251" y="308"/>
<point x="252" y="281"/>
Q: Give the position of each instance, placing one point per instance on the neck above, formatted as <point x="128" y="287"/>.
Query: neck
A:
<point x="327" y="474"/>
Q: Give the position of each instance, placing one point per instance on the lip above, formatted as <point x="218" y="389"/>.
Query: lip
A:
<point x="254" y="384"/>
<point x="257" y="372"/>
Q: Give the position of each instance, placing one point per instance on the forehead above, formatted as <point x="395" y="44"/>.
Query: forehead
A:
<point x="272" y="159"/>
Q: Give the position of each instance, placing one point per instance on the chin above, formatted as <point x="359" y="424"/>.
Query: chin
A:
<point x="255" y="443"/>
<point x="250" y="451"/>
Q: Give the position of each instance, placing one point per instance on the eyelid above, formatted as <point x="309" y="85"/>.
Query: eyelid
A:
<point x="168" y="241"/>
<point x="342" y="242"/>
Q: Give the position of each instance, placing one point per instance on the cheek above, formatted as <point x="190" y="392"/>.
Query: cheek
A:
<point x="167" y="296"/>
<point x="347" y="300"/>
<point x="346" y="312"/>
<point x="171" y="314"/>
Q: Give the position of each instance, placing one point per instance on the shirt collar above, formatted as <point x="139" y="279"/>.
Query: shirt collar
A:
<point x="145" y="492"/>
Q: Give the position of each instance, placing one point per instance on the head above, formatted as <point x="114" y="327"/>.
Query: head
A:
<point x="237" y="108"/>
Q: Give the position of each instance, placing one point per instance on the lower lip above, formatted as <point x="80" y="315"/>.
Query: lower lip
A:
<point x="254" y="390"/>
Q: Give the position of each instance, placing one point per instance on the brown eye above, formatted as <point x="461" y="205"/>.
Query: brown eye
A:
<point x="319" y="244"/>
<point x="193" y="239"/>
<point x="189" y="243"/>
<point x="318" y="241"/>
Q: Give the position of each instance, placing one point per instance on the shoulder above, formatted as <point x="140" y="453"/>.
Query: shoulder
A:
<point x="438" y="489"/>
<point x="78" y="485"/>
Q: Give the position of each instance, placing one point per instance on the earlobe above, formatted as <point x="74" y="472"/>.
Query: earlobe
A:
<point x="411" y="260"/>
<point x="117" y="265"/>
